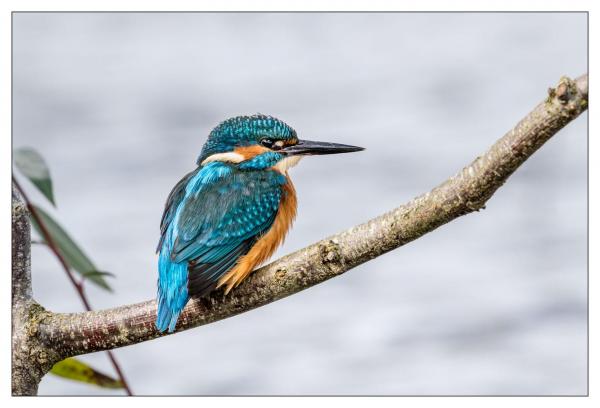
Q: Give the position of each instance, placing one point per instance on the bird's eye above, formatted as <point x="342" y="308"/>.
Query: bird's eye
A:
<point x="278" y="145"/>
<point x="267" y="142"/>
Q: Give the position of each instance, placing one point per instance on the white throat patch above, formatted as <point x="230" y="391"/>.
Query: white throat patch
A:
<point x="284" y="165"/>
<point x="230" y="157"/>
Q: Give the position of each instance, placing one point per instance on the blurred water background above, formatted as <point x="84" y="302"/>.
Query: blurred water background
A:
<point x="493" y="303"/>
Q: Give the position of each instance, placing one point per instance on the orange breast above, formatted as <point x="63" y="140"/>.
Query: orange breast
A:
<point x="268" y="243"/>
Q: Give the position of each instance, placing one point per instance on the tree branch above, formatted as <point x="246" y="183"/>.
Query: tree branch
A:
<point x="462" y="194"/>
<point x="78" y="285"/>
<point x="21" y="250"/>
<point x="30" y="359"/>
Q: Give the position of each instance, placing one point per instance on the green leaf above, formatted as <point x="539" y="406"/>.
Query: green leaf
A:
<point x="73" y="255"/>
<point x="34" y="167"/>
<point x="91" y="274"/>
<point x="97" y="273"/>
<point x="77" y="370"/>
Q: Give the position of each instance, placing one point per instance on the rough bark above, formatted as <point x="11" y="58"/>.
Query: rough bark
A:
<point x="467" y="191"/>
<point x="31" y="358"/>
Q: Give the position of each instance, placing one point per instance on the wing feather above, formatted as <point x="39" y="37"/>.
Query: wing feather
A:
<point x="217" y="222"/>
<point x="175" y="197"/>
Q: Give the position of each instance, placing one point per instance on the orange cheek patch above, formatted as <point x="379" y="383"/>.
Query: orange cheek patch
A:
<point x="249" y="152"/>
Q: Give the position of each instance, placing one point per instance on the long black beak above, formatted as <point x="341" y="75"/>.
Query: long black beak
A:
<point x="309" y="147"/>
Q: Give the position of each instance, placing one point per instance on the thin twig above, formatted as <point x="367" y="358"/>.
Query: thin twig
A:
<point x="77" y="284"/>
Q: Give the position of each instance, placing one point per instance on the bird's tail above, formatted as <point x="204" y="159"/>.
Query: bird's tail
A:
<point x="172" y="289"/>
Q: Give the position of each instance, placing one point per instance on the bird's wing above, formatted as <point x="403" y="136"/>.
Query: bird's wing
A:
<point x="220" y="220"/>
<point x="175" y="197"/>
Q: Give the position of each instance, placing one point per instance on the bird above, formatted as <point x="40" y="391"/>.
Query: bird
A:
<point x="229" y="214"/>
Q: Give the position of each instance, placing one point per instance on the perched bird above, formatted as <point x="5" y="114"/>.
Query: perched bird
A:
<point x="229" y="214"/>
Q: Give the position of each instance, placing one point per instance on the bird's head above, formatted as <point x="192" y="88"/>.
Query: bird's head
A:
<point x="260" y="142"/>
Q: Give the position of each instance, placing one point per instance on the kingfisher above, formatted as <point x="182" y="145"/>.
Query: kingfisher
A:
<point x="231" y="213"/>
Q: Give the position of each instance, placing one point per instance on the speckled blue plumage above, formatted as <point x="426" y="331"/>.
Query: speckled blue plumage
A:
<point x="216" y="213"/>
<point x="244" y="131"/>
